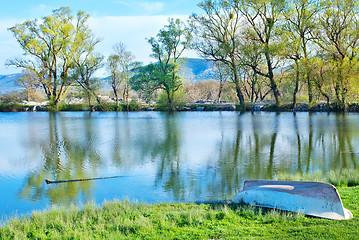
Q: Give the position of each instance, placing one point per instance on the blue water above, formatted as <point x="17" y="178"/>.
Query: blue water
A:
<point x="186" y="156"/>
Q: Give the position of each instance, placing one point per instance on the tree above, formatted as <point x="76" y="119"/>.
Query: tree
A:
<point x="255" y="85"/>
<point x="51" y="44"/>
<point x="338" y="37"/>
<point x="222" y="75"/>
<point x="86" y="62"/>
<point x="321" y="73"/>
<point x="263" y="18"/>
<point x="86" y="67"/>
<point x="167" y="47"/>
<point x="152" y="77"/>
<point x="298" y="29"/>
<point x="218" y="34"/>
<point x="120" y="66"/>
<point x="29" y="81"/>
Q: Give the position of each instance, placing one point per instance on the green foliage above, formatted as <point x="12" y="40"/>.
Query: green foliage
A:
<point x="148" y="79"/>
<point x="177" y="101"/>
<point x="133" y="106"/>
<point x="11" y="107"/>
<point x="56" y="45"/>
<point x="72" y="107"/>
<point x="112" y="107"/>
<point x="167" y="47"/>
<point x="126" y="220"/>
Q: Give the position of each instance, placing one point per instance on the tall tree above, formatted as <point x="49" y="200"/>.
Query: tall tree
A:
<point x="251" y="57"/>
<point x="120" y="66"/>
<point x="338" y="37"/>
<point x="29" y="81"/>
<point x="218" y="32"/>
<point x="86" y="62"/>
<point x="148" y="79"/>
<point x="222" y="75"/>
<point x="86" y="67"/>
<point x="113" y="67"/>
<point x="263" y="20"/>
<point x="50" y="45"/>
<point x="298" y="28"/>
<point x="167" y="48"/>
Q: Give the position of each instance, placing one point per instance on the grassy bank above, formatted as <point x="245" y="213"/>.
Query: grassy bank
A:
<point x="338" y="178"/>
<point x="125" y="220"/>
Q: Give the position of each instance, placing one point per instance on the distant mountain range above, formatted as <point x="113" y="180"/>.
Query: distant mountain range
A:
<point x="197" y="69"/>
<point x="191" y="69"/>
<point x="7" y="83"/>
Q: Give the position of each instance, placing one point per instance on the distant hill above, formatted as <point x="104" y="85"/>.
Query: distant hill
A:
<point x="191" y="69"/>
<point x="7" y="83"/>
<point x="196" y="69"/>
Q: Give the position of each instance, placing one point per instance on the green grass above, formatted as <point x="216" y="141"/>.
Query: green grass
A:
<point x="339" y="178"/>
<point x="125" y="220"/>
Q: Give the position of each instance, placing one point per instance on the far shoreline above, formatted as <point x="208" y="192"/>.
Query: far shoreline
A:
<point x="189" y="107"/>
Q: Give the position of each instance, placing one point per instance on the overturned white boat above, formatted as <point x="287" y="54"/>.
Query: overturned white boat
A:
<point x="311" y="198"/>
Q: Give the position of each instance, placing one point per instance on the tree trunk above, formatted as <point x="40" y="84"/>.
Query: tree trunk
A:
<point x="170" y="100"/>
<point x="116" y="96"/>
<point x="307" y="72"/>
<point x="273" y="84"/>
<point x="220" y="90"/>
<point x="238" y="87"/>
<point x="125" y="96"/>
<point x="28" y="94"/>
<point x="296" y="84"/>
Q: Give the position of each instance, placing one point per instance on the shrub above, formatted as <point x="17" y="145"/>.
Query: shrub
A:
<point x="132" y="106"/>
<point x="178" y="100"/>
<point x="72" y="107"/>
<point x="11" y="107"/>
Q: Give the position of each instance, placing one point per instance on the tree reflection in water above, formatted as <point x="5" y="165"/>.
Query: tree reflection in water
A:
<point x="64" y="158"/>
<point x="228" y="149"/>
<point x="323" y="140"/>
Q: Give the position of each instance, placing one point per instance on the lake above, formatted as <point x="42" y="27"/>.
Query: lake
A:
<point x="161" y="157"/>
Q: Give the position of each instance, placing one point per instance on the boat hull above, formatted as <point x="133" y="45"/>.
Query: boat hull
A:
<point x="310" y="198"/>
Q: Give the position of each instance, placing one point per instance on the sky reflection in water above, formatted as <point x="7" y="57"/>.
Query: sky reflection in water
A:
<point x="164" y="157"/>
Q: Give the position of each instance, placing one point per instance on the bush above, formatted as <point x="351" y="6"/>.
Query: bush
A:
<point x="11" y="107"/>
<point x="132" y="106"/>
<point x="178" y="100"/>
<point x="111" y="107"/>
<point x="72" y="107"/>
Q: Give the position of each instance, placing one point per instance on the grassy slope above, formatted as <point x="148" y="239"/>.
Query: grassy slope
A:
<point x="182" y="221"/>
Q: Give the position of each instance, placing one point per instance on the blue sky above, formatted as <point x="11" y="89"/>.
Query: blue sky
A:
<point x="113" y="21"/>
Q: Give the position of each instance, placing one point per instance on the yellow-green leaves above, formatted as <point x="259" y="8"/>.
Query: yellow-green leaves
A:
<point x="54" y="43"/>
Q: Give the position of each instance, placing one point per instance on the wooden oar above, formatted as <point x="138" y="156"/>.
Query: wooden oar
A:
<point x="78" y="180"/>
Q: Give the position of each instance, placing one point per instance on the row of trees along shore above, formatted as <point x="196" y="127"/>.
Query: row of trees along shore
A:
<point x="266" y="48"/>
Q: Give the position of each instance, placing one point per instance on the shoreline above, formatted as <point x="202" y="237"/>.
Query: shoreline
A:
<point x="192" y="107"/>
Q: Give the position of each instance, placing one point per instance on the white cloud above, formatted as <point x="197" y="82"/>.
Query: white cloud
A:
<point x="150" y="7"/>
<point x="143" y="7"/>
<point x="131" y="30"/>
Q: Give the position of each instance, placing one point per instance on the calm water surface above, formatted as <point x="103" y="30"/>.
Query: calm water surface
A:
<point x="162" y="157"/>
